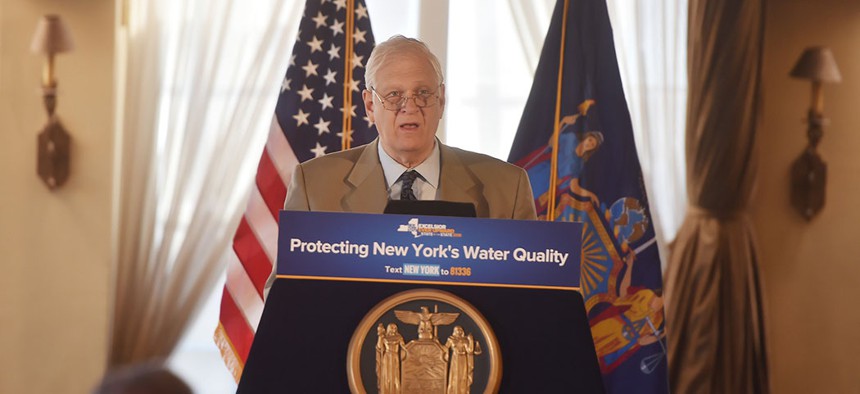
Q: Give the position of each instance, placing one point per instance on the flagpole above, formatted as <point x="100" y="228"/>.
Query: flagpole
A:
<point x="347" y="76"/>
<point x="550" y="210"/>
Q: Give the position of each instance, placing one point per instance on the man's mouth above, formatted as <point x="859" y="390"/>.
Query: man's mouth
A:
<point x="409" y="126"/>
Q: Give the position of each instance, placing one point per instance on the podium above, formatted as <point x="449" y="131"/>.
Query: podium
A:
<point x="319" y="334"/>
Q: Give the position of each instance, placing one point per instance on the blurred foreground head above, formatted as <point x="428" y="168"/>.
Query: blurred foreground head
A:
<point x="142" y="379"/>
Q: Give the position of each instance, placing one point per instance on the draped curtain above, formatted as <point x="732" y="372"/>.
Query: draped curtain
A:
<point x="200" y="83"/>
<point x="715" y="317"/>
<point x="531" y="20"/>
<point x="651" y="46"/>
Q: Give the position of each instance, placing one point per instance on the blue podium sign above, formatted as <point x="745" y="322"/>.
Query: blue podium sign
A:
<point x="429" y="249"/>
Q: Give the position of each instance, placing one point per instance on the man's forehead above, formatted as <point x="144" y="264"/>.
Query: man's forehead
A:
<point x="394" y="83"/>
<point x="406" y="70"/>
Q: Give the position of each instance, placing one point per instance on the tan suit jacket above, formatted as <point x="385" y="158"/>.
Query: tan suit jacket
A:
<point x="353" y="181"/>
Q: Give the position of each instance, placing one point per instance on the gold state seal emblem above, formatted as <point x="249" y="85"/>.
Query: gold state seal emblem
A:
<point x="382" y="360"/>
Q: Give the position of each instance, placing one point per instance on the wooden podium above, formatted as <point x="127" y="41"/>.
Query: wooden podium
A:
<point x="323" y="293"/>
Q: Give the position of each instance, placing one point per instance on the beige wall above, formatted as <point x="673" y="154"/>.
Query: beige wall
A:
<point x="812" y="270"/>
<point x="55" y="246"/>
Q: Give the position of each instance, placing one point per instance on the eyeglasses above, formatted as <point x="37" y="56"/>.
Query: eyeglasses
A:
<point x="395" y="101"/>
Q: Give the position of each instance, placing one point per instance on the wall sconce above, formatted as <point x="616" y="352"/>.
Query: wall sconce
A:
<point x="809" y="171"/>
<point x="52" y="37"/>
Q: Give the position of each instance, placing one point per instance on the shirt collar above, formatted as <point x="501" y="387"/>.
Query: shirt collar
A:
<point x="429" y="168"/>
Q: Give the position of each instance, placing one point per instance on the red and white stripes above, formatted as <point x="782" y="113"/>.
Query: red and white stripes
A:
<point x="255" y="248"/>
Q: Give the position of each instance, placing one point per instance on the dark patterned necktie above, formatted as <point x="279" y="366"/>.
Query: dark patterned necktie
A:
<point x="408" y="179"/>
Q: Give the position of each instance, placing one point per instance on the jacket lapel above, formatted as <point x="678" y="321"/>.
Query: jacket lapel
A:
<point x="456" y="183"/>
<point x="367" y="183"/>
<point x="369" y="193"/>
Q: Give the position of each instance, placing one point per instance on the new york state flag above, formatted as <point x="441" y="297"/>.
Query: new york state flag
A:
<point x="575" y="139"/>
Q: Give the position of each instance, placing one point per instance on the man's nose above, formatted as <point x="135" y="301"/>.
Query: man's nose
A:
<point x="407" y="107"/>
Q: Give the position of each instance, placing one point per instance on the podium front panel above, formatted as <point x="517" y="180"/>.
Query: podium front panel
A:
<point x="319" y="299"/>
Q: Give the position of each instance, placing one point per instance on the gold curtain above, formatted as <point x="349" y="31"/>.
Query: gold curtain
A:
<point x="715" y="317"/>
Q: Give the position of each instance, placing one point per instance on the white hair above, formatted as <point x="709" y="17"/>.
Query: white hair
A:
<point x="395" y="44"/>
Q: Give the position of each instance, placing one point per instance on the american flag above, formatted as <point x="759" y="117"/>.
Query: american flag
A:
<point x="319" y="111"/>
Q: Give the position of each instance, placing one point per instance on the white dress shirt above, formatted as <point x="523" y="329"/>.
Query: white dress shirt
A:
<point x="426" y="184"/>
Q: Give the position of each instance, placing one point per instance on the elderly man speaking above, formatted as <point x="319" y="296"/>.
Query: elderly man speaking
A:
<point x="405" y="98"/>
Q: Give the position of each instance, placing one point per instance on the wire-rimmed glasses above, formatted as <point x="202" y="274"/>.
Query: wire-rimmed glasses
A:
<point x="395" y="100"/>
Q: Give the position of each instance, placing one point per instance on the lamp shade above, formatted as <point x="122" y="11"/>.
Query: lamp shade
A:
<point x="52" y="36"/>
<point x="817" y="64"/>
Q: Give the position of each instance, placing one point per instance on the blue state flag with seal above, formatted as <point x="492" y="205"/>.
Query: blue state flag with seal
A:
<point x="575" y="139"/>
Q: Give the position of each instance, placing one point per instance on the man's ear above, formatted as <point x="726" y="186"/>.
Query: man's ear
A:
<point x="442" y="99"/>
<point x="367" y="96"/>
